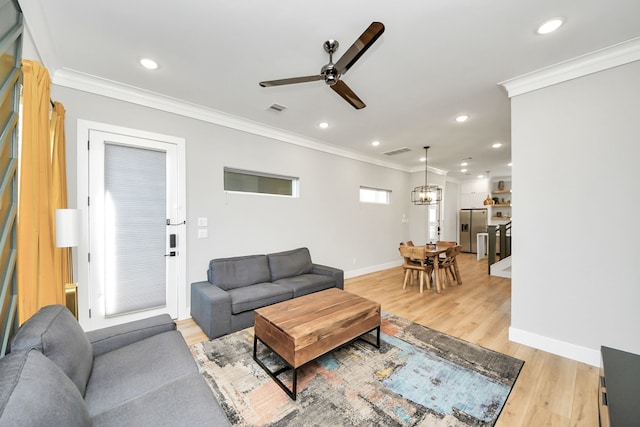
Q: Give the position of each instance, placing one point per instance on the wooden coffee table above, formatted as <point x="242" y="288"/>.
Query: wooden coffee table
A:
<point x="303" y="329"/>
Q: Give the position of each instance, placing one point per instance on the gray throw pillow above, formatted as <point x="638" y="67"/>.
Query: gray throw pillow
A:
<point x="57" y="334"/>
<point x="35" y="392"/>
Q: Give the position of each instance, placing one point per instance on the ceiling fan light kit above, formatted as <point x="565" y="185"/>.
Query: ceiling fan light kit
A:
<point x="331" y="72"/>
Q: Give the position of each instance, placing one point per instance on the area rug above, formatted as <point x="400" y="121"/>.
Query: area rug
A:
<point x="419" y="377"/>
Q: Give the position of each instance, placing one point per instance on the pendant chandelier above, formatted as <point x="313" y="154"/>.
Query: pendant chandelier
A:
<point x="426" y="194"/>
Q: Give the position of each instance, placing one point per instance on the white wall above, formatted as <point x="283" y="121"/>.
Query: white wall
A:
<point x="328" y="218"/>
<point x="575" y="151"/>
<point x="450" y="217"/>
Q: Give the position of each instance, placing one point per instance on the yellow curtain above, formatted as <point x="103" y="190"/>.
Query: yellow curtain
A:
<point x="61" y="256"/>
<point x="37" y="280"/>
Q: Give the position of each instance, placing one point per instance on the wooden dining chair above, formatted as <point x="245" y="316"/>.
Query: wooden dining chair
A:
<point x="414" y="260"/>
<point x="410" y="243"/>
<point x="443" y="244"/>
<point x="448" y="266"/>
<point x="416" y="273"/>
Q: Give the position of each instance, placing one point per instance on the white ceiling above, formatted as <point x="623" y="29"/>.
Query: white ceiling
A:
<point x="436" y="60"/>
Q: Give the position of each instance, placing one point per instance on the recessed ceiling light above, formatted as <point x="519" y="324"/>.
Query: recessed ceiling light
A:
<point x="375" y="143"/>
<point x="480" y="176"/>
<point x="464" y="164"/>
<point x="423" y="159"/>
<point x="323" y="125"/>
<point x="509" y="164"/>
<point x="463" y="170"/>
<point x="550" y="26"/>
<point x="497" y="145"/>
<point x="149" y="64"/>
<point x="462" y="119"/>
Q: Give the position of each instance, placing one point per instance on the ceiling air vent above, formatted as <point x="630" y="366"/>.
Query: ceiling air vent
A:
<point x="277" y="108"/>
<point x="397" y="151"/>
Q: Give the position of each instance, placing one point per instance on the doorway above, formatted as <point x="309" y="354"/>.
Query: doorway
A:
<point x="136" y="240"/>
<point x="433" y="223"/>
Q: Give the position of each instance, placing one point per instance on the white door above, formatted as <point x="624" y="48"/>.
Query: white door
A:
<point x="433" y="225"/>
<point x="133" y="213"/>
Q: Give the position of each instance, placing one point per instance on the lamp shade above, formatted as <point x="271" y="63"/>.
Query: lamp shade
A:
<point x="67" y="228"/>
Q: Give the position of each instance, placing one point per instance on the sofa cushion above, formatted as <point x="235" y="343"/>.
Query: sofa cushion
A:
<point x="306" y="284"/>
<point x="289" y="263"/>
<point x="135" y="369"/>
<point x="185" y="401"/>
<point x="232" y="273"/>
<point x="113" y="337"/>
<point x="35" y="392"/>
<point x="56" y="333"/>
<point x="256" y="296"/>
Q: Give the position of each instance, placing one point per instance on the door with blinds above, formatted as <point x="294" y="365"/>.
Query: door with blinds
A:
<point x="133" y="248"/>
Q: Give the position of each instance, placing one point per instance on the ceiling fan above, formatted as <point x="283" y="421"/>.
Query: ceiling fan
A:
<point x="331" y="72"/>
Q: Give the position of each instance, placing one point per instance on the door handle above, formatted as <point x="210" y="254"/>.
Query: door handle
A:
<point x="172" y="253"/>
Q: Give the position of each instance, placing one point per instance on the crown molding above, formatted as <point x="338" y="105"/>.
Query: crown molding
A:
<point x="88" y="83"/>
<point x="603" y="59"/>
<point x="430" y="169"/>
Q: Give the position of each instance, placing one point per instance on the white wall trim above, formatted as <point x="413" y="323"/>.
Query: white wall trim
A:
<point x="551" y="345"/>
<point x="430" y="169"/>
<point x="371" y="269"/>
<point x="112" y="89"/>
<point x="613" y="56"/>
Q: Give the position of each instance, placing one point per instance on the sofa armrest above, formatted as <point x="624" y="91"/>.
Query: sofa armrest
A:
<point x="336" y="273"/>
<point x="211" y="308"/>
<point x="111" y="338"/>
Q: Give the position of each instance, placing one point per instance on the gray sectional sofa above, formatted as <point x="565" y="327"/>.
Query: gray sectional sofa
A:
<point x="137" y="374"/>
<point x="237" y="286"/>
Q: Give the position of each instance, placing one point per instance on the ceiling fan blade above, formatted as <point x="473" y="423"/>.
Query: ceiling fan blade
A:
<point x="359" y="47"/>
<point x="291" y="81"/>
<point x="345" y="92"/>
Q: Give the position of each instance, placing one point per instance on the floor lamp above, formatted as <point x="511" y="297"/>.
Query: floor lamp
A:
<point x="68" y="236"/>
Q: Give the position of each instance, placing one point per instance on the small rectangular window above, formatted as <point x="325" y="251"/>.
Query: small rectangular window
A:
<point x="259" y="183"/>
<point x="375" y="195"/>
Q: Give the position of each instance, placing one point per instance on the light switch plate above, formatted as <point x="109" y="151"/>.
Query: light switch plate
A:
<point x="203" y="234"/>
<point x="203" y="222"/>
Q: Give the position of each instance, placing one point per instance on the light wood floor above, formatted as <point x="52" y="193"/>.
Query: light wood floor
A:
<point x="550" y="391"/>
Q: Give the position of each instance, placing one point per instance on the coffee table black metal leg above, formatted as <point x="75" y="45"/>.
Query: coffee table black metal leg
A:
<point x="274" y="375"/>
<point x="292" y="393"/>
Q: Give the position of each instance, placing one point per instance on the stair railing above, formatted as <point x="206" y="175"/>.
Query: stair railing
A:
<point x="498" y="234"/>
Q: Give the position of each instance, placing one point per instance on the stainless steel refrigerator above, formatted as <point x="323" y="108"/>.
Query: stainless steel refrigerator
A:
<point x="472" y="222"/>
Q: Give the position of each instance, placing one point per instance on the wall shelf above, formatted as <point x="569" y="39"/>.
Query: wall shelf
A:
<point x="500" y="190"/>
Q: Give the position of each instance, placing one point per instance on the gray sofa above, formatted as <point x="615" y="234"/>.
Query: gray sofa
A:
<point x="138" y="374"/>
<point x="237" y="286"/>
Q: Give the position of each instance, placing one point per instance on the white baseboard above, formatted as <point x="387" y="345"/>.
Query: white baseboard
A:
<point x="371" y="269"/>
<point x="551" y="345"/>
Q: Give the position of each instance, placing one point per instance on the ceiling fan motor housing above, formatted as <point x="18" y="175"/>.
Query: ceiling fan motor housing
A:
<point x="331" y="75"/>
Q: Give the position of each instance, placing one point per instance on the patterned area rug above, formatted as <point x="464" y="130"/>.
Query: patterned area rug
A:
<point x="419" y="377"/>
